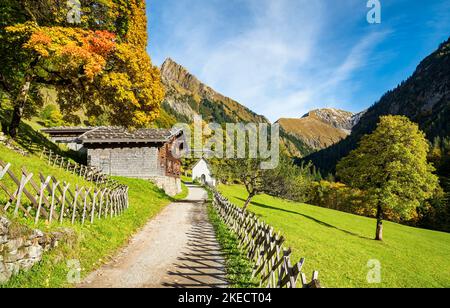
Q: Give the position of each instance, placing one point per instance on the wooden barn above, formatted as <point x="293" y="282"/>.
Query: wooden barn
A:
<point x="151" y="154"/>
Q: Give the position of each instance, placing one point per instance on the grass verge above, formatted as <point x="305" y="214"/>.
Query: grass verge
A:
<point x="239" y="268"/>
<point x="184" y="193"/>
<point x="186" y="179"/>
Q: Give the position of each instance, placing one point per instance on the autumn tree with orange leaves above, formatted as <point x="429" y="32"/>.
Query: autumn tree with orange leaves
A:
<point x="98" y="65"/>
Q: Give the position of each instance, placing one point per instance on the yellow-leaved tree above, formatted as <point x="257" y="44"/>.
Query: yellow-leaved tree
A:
<point x="98" y="63"/>
<point x="391" y="166"/>
<point x="133" y="84"/>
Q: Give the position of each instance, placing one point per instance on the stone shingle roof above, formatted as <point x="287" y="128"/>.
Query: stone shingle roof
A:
<point x="66" y="130"/>
<point x="122" y="135"/>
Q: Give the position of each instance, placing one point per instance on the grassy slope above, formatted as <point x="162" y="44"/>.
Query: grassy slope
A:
<point x="28" y="131"/>
<point x="34" y="164"/>
<point x="340" y="245"/>
<point x="95" y="243"/>
<point x="311" y="129"/>
<point x="186" y="179"/>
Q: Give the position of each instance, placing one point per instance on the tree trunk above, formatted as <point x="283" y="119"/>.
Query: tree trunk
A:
<point x="15" y="121"/>
<point x="379" y="234"/>
<point x="19" y="106"/>
<point x="248" y="201"/>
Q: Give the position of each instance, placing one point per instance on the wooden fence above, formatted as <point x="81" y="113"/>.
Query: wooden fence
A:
<point x="273" y="265"/>
<point x="40" y="197"/>
<point x="91" y="174"/>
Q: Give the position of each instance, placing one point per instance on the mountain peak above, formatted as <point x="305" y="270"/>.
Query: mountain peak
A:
<point x="337" y="118"/>
<point x="320" y="128"/>
<point x="168" y="62"/>
<point x="171" y="71"/>
<point x="328" y="111"/>
<point x="187" y="96"/>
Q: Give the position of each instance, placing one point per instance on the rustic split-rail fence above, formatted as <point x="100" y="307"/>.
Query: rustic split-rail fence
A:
<point x="40" y="197"/>
<point x="264" y="247"/>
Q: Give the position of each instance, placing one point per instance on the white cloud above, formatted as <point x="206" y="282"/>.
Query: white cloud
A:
<point x="275" y="61"/>
<point x="336" y="83"/>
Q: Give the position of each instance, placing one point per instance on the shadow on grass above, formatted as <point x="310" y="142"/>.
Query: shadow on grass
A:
<point x="261" y="205"/>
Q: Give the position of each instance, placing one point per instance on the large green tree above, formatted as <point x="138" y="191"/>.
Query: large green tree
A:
<point x="97" y="62"/>
<point x="391" y="165"/>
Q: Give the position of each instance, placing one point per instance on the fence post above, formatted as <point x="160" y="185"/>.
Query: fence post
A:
<point x="54" y="187"/>
<point x="41" y="195"/>
<point x="23" y="182"/>
<point x="102" y="195"/>
<point x="127" y="191"/>
<point x="111" y="212"/>
<point x="50" y="157"/>
<point x="4" y="170"/>
<point x="65" y="189"/>
<point x="96" y="192"/>
<point x="75" y="202"/>
<point x="86" y="196"/>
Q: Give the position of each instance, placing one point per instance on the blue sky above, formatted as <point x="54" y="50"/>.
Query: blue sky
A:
<point x="282" y="58"/>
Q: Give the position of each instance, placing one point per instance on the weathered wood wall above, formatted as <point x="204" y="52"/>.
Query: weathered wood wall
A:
<point x="135" y="162"/>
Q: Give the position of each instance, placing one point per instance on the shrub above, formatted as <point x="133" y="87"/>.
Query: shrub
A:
<point x="51" y="116"/>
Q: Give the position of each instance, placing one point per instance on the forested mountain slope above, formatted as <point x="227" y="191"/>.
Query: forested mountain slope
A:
<point x="424" y="98"/>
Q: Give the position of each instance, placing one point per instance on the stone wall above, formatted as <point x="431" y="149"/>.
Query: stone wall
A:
<point x="134" y="162"/>
<point x="22" y="248"/>
<point x="171" y="185"/>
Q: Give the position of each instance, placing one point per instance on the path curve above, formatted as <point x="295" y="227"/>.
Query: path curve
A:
<point x="176" y="249"/>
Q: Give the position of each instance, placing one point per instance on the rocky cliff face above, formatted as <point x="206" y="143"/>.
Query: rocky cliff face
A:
<point x="336" y="118"/>
<point x="321" y="128"/>
<point x="186" y="96"/>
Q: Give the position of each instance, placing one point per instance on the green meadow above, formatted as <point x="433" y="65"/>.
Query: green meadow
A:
<point x="340" y="245"/>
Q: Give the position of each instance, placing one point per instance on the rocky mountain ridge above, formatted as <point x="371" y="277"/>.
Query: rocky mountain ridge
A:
<point x="321" y="128"/>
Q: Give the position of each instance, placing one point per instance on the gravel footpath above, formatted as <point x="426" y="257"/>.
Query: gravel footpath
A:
<point x="176" y="249"/>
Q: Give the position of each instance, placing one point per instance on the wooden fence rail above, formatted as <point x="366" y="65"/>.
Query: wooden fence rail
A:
<point x="273" y="265"/>
<point x="91" y="174"/>
<point x="44" y="197"/>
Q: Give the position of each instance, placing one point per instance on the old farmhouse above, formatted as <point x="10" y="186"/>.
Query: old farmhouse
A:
<point x="145" y="153"/>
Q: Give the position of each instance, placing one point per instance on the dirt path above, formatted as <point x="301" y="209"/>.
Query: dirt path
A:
<point x="176" y="249"/>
